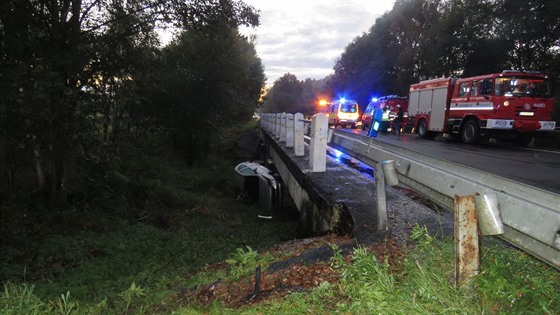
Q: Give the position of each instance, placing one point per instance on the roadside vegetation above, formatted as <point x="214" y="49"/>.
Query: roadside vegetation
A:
<point x="141" y="222"/>
<point x="156" y="237"/>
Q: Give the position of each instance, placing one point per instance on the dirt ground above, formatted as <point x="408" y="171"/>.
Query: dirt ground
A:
<point x="306" y="267"/>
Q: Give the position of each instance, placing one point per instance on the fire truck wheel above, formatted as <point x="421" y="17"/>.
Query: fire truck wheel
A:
<point x="423" y="130"/>
<point x="470" y="132"/>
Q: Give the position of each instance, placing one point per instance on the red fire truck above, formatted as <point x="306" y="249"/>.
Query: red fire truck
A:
<point x="389" y="106"/>
<point x="512" y="104"/>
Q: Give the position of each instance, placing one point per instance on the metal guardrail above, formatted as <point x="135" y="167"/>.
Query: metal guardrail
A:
<point x="531" y="216"/>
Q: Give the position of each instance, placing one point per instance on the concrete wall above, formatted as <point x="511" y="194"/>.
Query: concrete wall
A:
<point x="319" y="214"/>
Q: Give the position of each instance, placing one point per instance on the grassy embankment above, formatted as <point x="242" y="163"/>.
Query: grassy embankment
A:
<point x="145" y="234"/>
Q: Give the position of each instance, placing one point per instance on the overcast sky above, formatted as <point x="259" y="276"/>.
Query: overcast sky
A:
<point x="304" y="37"/>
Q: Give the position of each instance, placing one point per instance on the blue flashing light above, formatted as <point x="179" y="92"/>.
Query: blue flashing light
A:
<point x="342" y="100"/>
<point x="374" y="99"/>
<point x="338" y="154"/>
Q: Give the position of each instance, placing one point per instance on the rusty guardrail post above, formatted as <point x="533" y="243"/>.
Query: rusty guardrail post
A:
<point x="474" y="215"/>
<point x="467" y="253"/>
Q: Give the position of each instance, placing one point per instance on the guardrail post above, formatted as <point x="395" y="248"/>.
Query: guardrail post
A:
<point x="467" y="253"/>
<point x="318" y="146"/>
<point x="289" y="130"/>
<point x="277" y="126"/>
<point x="283" y="128"/>
<point x="267" y="123"/>
<point x="385" y="175"/>
<point x="299" y="148"/>
<point x="381" y="198"/>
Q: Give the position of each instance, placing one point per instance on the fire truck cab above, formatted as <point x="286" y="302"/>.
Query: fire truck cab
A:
<point x="510" y="104"/>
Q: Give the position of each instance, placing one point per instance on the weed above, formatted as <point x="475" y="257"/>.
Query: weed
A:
<point x="421" y="235"/>
<point x="16" y="299"/>
<point x="133" y="293"/>
<point x="337" y="259"/>
<point x="64" y="306"/>
<point x="245" y="262"/>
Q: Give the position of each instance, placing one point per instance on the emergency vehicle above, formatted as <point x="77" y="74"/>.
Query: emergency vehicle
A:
<point x="389" y="106"/>
<point x="344" y="112"/>
<point x="511" y="104"/>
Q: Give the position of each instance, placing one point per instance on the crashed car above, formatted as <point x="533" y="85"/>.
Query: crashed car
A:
<point x="256" y="183"/>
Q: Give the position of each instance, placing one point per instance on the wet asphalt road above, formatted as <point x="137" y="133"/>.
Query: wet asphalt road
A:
<point x="535" y="167"/>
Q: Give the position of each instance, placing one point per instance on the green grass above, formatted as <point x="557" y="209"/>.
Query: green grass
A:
<point x="511" y="283"/>
<point x="143" y="227"/>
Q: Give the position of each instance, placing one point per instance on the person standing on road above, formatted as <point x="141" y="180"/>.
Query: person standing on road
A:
<point x="398" y="120"/>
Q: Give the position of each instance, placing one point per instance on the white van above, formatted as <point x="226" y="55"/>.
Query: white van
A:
<point x="344" y="113"/>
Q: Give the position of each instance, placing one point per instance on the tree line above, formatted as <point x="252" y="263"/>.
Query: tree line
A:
<point x="78" y="74"/>
<point x="423" y="39"/>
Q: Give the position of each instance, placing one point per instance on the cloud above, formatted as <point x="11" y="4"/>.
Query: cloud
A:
<point x="305" y="37"/>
